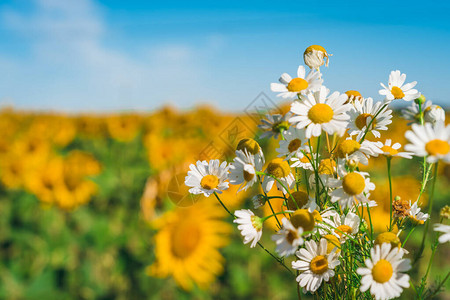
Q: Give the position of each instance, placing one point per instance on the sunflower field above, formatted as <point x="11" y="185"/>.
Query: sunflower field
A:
<point x="94" y="206"/>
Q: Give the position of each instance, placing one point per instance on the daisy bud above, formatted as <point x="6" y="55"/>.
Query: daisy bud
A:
<point x="258" y="201"/>
<point x="445" y="212"/>
<point x="421" y="100"/>
<point x="388" y="237"/>
<point x="433" y="114"/>
<point x="314" y="56"/>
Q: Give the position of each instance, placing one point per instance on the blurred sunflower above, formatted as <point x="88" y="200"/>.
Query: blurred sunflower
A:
<point x="188" y="243"/>
<point x="123" y="128"/>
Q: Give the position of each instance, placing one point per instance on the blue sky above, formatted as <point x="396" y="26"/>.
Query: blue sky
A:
<point x="80" y="55"/>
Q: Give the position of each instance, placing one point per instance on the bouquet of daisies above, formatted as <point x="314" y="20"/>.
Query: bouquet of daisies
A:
<point x="324" y="233"/>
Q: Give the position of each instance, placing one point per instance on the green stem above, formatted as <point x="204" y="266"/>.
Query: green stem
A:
<point x="388" y="159"/>
<point x="407" y="237"/>
<point x="430" y="208"/>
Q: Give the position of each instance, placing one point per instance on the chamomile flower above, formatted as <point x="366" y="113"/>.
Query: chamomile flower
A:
<point x="445" y="230"/>
<point x="351" y="188"/>
<point x="390" y="150"/>
<point x="434" y="113"/>
<point x="416" y="215"/>
<point x="303" y="159"/>
<point x="281" y="170"/>
<point x="353" y="96"/>
<point x="207" y="178"/>
<point x="327" y="169"/>
<point x="290" y="88"/>
<point x="315" y="56"/>
<point x="253" y="148"/>
<point x="397" y="89"/>
<point x="288" y="238"/>
<point x="430" y="141"/>
<point x="412" y="112"/>
<point x="315" y="264"/>
<point x="364" y="113"/>
<point x="274" y="125"/>
<point x="302" y="201"/>
<point x="249" y="225"/>
<point x="243" y="170"/>
<point x="293" y="143"/>
<point x="383" y="274"/>
<point x="319" y="111"/>
<point x="346" y="226"/>
<point x="350" y="149"/>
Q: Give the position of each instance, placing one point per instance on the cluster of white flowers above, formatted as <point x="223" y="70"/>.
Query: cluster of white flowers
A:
<point x="322" y="221"/>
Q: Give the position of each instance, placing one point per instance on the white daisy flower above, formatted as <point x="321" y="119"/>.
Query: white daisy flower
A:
<point x="445" y="229"/>
<point x="288" y="238"/>
<point x="314" y="56"/>
<point x="430" y="141"/>
<point x="253" y="148"/>
<point x="353" y="96"/>
<point x="346" y="226"/>
<point x="293" y="143"/>
<point x="329" y="217"/>
<point x="315" y="265"/>
<point x="317" y="111"/>
<point x="207" y="178"/>
<point x="412" y="112"/>
<point x="280" y="169"/>
<point x="249" y="225"/>
<point x="434" y="113"/>
<point x="351" y="188"/>
<point x="416" y="215"/>
<point x="392" y="150"/>
<point x="274" y="125"/>
<point x="397" y="89"/>
<point x="363" y="113"/>
<point x="302" y="201"/>
<point x="243" y="170"/>
<point x="350" y="149"/>
<point x="303" y="159"/>
<point x="291" y="88"/>
<point x="383" y="272"/>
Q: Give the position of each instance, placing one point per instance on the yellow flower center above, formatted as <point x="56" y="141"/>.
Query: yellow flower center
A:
<point x="291" y="236"/>
<point x="278" y="168"/>
<point x="416" y="221"/>
<point x="332" y="242"/>
<point x="315" y="47"/>
<point x="353" y="94"/>
<point x="320" y="113"/>
<point x="397" y="92"/>
<point x="300" y="197"/>
<point x="303" y="218"/>
<point x="185" y="239"/>
<point x="388" y="149"/>
<point x="347" y="147"/>
<point x="340" y="230"/>
<point x="280" y="126"/>
<point x="248" y="176"/>
<point x="256" y="223"/>
<point x="353" y="184"/>
<point x="294" y="145"/>
<point x="388" y="237"/>
<point x="436" y="147"/>
<point x="297" y="85"/>
<point x="209" y="182"/>
<point x="361" y="121"/>
<point x="316" y="215"/>
<point x="382" y="271"/>
<point x="327" y="166"/>
<point x="319" y="264"/>
<point x="250" y="145"/>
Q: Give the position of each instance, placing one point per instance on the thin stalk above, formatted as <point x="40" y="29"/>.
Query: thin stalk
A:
<point x="388" y="159"/>
<point x="430" y="208"/>
<point x="371" y="121"/>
